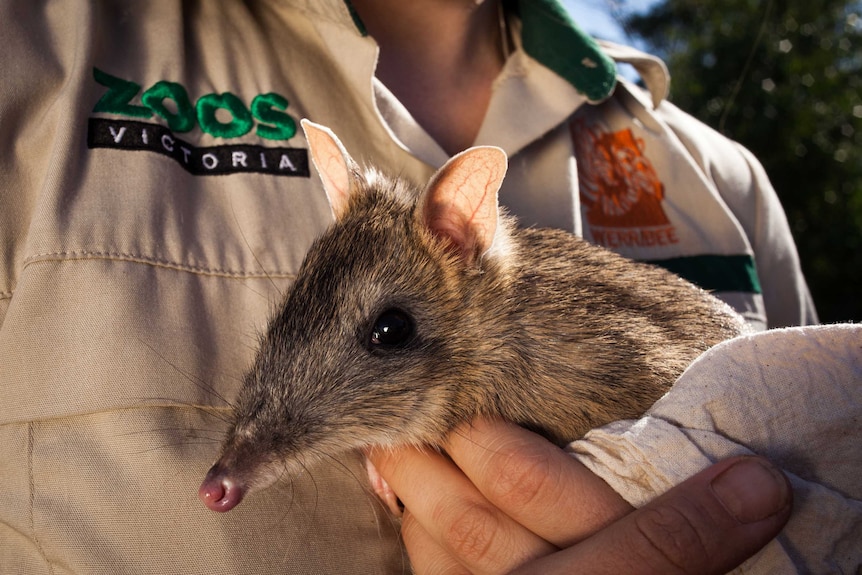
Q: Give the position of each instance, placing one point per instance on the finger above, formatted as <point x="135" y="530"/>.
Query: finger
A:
<point x="427" y="557"/>
<point x="455" y="514"/>
<point x="383" y="490"/>
<point x="708" y="524"/>
<point x="535" y="482"/>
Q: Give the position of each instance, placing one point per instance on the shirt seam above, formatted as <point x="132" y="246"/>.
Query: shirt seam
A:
<point x="32" y="499"/>
<point x="150" y="260"/>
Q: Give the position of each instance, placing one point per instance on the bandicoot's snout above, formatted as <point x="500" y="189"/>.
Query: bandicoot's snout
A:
<point x="219" y="491"/>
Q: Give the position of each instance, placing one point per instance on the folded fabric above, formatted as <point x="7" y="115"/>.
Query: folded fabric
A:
<point x="793" y="395"/>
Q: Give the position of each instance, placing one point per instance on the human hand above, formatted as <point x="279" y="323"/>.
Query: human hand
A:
<point x="510" y="500"/>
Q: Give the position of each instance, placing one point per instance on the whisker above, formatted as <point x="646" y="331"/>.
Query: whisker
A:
<point x="173" y="445"/>
<point x="198" y="382"/>
<point x="253" y="254"/>
<point x="220" y="413"/>
<point x="189" y="431"/>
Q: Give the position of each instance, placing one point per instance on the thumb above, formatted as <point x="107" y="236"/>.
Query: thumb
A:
<point x="708" y="524"/>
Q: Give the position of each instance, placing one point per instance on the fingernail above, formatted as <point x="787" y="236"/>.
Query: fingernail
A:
<point x="752" y="490"/>
<point x="382" y="489"/>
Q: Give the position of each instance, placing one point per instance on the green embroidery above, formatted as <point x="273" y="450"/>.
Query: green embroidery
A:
<point x="276" y="124"/>
<point x="184" y="119"/>
<point x="120" y="93"/>
<point x="241" y="120"/>
<point x="234" y="121"/>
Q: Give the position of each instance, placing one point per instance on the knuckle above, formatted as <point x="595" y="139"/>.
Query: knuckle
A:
<point x="423" y="553"/>
<point x="671" y="541"/>
<point x="470" y="533"/>
<point x="519" y="480"/>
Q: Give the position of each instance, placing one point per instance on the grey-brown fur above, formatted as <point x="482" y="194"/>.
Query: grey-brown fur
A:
<point x="560" y="336"/>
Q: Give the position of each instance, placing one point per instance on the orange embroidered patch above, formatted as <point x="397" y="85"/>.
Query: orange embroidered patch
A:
<point x="620" y="189"/>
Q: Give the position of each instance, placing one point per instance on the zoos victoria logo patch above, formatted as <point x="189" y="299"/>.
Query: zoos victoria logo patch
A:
<point x="265" y="114"/>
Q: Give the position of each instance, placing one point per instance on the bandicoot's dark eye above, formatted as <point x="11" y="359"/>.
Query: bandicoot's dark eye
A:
<point x="393" y="328"/>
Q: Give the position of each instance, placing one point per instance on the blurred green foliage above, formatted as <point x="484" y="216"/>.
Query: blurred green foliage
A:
<point x="784" y="78"/>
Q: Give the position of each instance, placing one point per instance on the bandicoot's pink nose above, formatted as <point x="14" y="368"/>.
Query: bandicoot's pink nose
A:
<point x="219" y="492"/>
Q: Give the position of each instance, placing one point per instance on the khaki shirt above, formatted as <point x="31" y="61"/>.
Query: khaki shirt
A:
<point x="157" y="201"/>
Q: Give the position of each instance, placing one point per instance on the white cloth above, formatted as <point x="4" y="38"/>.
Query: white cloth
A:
<point x="792" y="395"/>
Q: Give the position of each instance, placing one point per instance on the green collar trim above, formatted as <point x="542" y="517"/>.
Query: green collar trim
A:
<point x="549" y="35"/>
<point x="357" y="21"/>
<point x="716" y="273"/>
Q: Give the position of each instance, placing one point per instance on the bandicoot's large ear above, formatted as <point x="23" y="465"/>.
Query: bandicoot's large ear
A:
<point x="333" y="163"/>
<point x="460" y="202"/>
